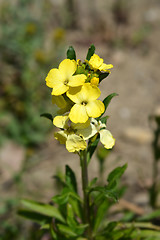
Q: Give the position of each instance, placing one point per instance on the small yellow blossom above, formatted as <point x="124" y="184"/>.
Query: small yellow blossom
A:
<point x="106" y="137"/>
<point x="86" y="103"/>
<point x="94" y="81"/>
<point x="62" y="78"/>
<point x="74" y="143"/>
<point x="96" y="63"/>
<point x="70" y="136"/>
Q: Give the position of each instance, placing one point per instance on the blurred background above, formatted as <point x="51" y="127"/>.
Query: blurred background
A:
<point x="34" y="37"/>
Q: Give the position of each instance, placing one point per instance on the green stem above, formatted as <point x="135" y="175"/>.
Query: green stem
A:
<point x="86" y="207"/>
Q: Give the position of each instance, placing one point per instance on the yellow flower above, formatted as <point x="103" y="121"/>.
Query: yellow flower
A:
<point x="74" y="143"/>
<point x="62" y="78"/>
<point x="106" y="137"/>
<point x="68" y="136"/>
<point x="96" y="63"/>
<point x="86" y="103"/>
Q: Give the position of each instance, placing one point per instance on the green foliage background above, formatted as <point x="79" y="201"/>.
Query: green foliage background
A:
<point x="27" y="53"/>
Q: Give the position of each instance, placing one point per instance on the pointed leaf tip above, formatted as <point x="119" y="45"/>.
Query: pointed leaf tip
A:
<point x="71" y="54"/>
<point x="91" y="51"/>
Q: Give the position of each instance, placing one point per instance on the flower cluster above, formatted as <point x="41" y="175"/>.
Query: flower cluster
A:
<point x="75" y="91"/>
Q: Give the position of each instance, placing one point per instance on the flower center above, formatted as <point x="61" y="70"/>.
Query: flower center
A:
<point x="66" y="82"/>
<point x="84" y="103"/>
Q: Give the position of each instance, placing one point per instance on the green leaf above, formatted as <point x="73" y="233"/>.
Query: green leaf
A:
<point x="100" y="214"/>
<point x="150" y="216"/>
<point x="70" y="217"/>
<point x="146" y="233"/>
<point x="105" y="193"/>
<point x="71" y="54"/>
<point x="102" y="76"/>
<point x="35" y="217"/>
<point x="91" y="51"/>
<point x="47" y="115"/>
<point x="61" y="199"/>
<point x="70" y="178"/>
<point x="66" y="230"/>
<point x="104" y="119"/>
<point x="107" y="101"/>
<point x="44" y="209"/>
<point x="145" y="225"/>
<point x="92" y="182"/>
<point x="115" y="175"/>
<point x="91" y="148"/>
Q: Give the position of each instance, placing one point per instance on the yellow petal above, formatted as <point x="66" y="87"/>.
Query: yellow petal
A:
<point x="75" y="143"/>
<point x="59" y="89"/>
<point x="77" y="80"/>
<point x="78" y="114"/>
<point x="95" y="108"/>
<point x="80" y="125"/>
<point x="60" y="121"/>
<point x="54" y="76"/>
<point x="86" y="93"/>
<point x="90" y="92"/>
<point x="95" y="61"/>
<point x="61" y="137"/>
<point x="87" y="132"/>
<point x="67" y="67"/>
<point x="74" y="94"/>
<point x="59" y="101"/>
<point x="106" y="139"/>
<point x="105" y="67"/>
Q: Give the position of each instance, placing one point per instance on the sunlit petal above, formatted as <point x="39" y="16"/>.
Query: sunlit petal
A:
<point x="59" y="89"/>
<point x="87" y="132"/>
<point x="54" y="76"/>
<point x="75" y="143"/>
<point x="77" y="80"/>
<point x="106" y="138"/>
<point x="68" y="67"/>
<point x="60" y="121"/>
<point x="78" y="114"/>
<point x="95" y="108"/>
<point x="105" y="67"/>
<point x="74" y="93"/>
<point x="61" y="137"/>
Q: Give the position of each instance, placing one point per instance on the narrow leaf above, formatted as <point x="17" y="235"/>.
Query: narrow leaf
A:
<point x="91" y="148"/>
<point x="107" y="100"/>
<point x="146" y="233"/>
<point x="71" y="54"/>
<point x="100" y="214"/>
<point x="102" y="76"/>
<point x="91" y="51"/>
<point x="104" y="119"/>
<point x="116" y="174"/>
<point x="35" y="217"/>
<point x="70" y="178"/>
<point x="47" y="115"/>
<point x="150" y="216"/>
<point x="44" y="209"/>
<point x="66" y="230"/>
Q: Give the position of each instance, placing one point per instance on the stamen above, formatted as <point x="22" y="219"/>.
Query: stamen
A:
<point x="84" y="103"/>
<point x="66" y="82"/>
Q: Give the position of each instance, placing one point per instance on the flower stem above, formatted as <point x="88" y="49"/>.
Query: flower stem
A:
<point x="86" y="207"/>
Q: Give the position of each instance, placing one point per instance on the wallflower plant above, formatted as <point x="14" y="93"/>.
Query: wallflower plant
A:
<point x="81" y="125"/>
